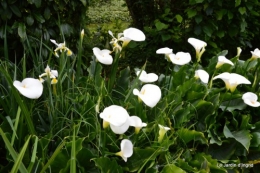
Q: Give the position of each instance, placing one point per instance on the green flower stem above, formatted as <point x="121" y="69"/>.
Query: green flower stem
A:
<point x="113" y="72"/>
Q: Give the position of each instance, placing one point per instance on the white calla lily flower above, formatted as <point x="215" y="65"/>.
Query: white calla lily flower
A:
<point x="103" y="56"/>
<point x="126" y="149"/>
<point x="132" y="34"/>
<point x="162" y="132"/>
<point x="180" y="58"/>
<point x="232" y="80"/>
<point x="251" y="99"/>
<point x="203" y="75"/>
<point x="29" y="87"/>
<point x="223" y="60"/>
<point x="239" y="50"/>
<point x="166" y="51"/>
<point x="136" y="122"/>
<point x="150" y="94"/>
<point x="117" y="117"/>
<point x="147" y="77"/>
<point x="255" y="54"/>
<point x="199" y="47"/>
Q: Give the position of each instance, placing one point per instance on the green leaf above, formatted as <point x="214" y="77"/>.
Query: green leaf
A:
<point x="207" y="30"/>
<point x="107" y="165"/>
<point x="187" y="135"/>
<point x="29" y="20"/>
<point x="166" y="37"/>
<point x="22" y="31"/>
<point x="179" y="18"/>
<point x="37" y="3"/>
<point x="255" y="142"/>
<point x="16" y="10"/>
<point x="191" y="13"/>
<point x="230" y="15"/>
<point x="238" y="2"/>
<point x="47" y="13"/>
<point x="198" y="19"/>
<point x="39" y="17"/>
<point x="242" y="136"/>
<point x="231" y="105"/>
<point x="160" y="26"/>
<point x="242" y="10"/>
<point x="19" y="159"/>
<point x="170" y="168"/>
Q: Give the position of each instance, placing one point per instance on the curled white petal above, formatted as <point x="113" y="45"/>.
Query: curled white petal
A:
<point x="223" y="60"/>
<point x="197" y="44"/>
<point x="135" y="121"/>
<point x="29" y="87"/>
<point x="251" y="99"/>
<point x="134" y="34"/>
<point x="144" y="77"/>
<point x="120" y="129"/>
<point x="103" y="56"/>
<point x="203" y="75"/>
<point x="150" y="94"/>
<point x="164" y="50"/>
<point x="126" y="149"/>
<point x="180" y="58"/>
<point x="255" y="53"/>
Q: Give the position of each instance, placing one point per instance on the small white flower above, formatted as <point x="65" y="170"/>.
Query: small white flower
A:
<point x="203" y="75"/>
<point x="223" y="60"/>
<point x="180" y="58"/>
<point x="29" y="87"/>
<point x="150" y="94"/>
<point x="232" y="80"/>
<point x="126" y="149"/>
<point x="251" y="99"/>
<point x="61" y="47"/>
<point x="136" y="122"/>
<point x="255" y="54"/>
<point x="199" y="47"/>
<point x="144" y="77"/>
<point x="49" y="72"/>
<point x="103" y="56"/>
<point x="162" y="132"/>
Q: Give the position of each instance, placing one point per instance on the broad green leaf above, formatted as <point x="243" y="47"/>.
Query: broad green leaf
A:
<point x="242" y="10"/>
<point x="243" y="26"/>
<point x="22" y="31"/>
<point x="16" y="10"/>
<point x="204" y="109"/>
<point x="208" y="30"/>
<point x="232" y="105"/>
<point x="187" y="135"/>
<point x="160" y="26"/>
<point x="107" y="165"/>
<point x="37" y="3"/>
<point x="198" y="18"/>
<point x="179" y="18"/>
<point x="223" y="151"/>
<point x="238" y="2"/>
<point x="191" y="13"/>
<point x="170" y="168"/>
<point x="29" y="20"/>
<point x="220" y="33"/>
<point x="255" y="142"/>
<point x="242" y="136"/>
<point x="230" y="15"/>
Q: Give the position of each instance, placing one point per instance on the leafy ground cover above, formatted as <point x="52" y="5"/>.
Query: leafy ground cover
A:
<point x="62" y="115"/>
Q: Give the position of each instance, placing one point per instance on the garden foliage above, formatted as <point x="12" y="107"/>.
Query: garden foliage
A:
<point x="100" y="118"/>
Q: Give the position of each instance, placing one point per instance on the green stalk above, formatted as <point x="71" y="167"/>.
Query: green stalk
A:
<point x="73" y="153"/>
<point x="113" y="72"/>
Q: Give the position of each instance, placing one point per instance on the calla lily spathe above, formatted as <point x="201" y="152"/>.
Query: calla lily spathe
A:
<point x="239" y="50"/>
<point x="103" y="56"/>
<point x="180" y="58"/>
<point x="162" y="132"/>
<point x="29" y="87"/>
<point x="150" y="94"/>
<point x="126" y="149"/>
<point x="232" y="80"/>
<point x="223" y="60"/>
<point x="117" y="117"/>
<point x="203" y="75"/>
<point x="136" y="122"/>
<point x="251" y="99"/>
<point x="147" y="77"/>
<point x="255" y="54"/>
<point x="61" y="47"/>
<point x="199" y="47"/>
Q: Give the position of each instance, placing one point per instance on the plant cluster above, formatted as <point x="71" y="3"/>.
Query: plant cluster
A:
<point x="66" y="117"/>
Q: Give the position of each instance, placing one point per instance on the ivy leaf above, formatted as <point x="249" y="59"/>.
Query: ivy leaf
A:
<point x="160" y="26"/>
<point x="238" y="2"/>
<point x="37" y="3"/>
<point x="29" y="20"/>
<point x="242" y="10"/>
<point x="179" y="18"/>
<point x="242" y="136"/>
<point x="191" y="13"/>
